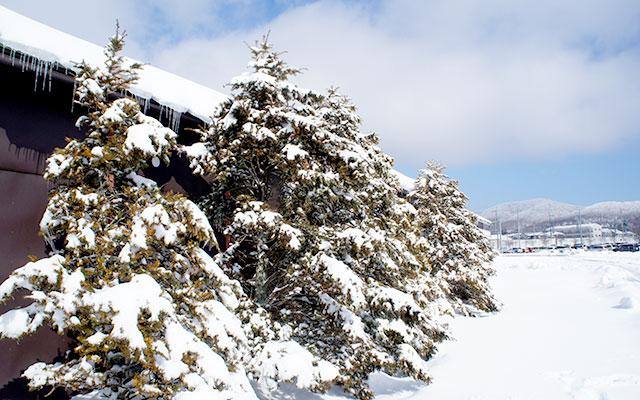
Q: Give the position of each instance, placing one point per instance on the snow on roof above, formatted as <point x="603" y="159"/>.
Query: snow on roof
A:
<point x="482" y="219"/>
<point x="47" y="44"/>
<point x="585" y="227"/>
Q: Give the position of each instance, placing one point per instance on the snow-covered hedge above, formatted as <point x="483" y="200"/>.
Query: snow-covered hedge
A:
<point x="319" y="235"/>
<point x="325" y="276"/>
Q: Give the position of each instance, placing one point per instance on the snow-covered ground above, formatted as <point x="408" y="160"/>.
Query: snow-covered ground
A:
<point x="569" y="329"/>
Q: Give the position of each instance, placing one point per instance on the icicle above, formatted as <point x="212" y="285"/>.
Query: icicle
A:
<point x="45" y="71"/>
<point x="175" y="120"/>
<point x="51" y="66"/>
<point x="37" y="71"/>
<point x="75" y="87"/>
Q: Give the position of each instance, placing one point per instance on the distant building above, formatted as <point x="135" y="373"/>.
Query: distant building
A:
<point x="590" y="233"/>
<point x="483" y="223"/>
<point x="565" y="235"/>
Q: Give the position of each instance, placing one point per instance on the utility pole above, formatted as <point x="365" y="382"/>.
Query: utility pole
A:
<point x="580" y="226"/>
<point x="500" y="235"/>
<point x="498" y="232"/>
<point x="518" y="216"/>
<point x="551" y="230"/>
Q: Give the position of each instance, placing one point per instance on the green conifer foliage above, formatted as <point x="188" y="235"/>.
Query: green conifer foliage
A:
<point x="455" y="247"/>
<point x="153" y="313"/>
<point x="317" y="233"/>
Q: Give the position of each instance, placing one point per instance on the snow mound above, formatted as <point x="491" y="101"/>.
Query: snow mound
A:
<point x="627" y="303"/>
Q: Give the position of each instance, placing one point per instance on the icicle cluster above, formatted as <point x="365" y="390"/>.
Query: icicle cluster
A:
<point x="42" y="69"/>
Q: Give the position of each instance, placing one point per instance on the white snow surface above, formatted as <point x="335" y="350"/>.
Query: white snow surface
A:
<point x="288" y="361"/>
<point x="569" y="329"/>
<point x="126" y="301"/>
<point x="293" y="150"/>
<point x="406" y="182"/>
<point x="50" y="45"/>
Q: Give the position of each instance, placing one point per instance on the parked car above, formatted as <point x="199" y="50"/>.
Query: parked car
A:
<point x="627" y="247"/>
<point x="513" y="250"/>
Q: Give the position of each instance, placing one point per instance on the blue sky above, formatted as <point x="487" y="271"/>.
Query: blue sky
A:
<point x="581" y="179"/>
<point x="520" y="99"/>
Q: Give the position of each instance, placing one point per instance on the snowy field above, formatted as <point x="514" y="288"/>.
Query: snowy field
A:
<point x="569" y="329"/>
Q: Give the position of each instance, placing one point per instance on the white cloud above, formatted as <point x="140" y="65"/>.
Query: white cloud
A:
<point x="488" y="80"/>
<point x="460" y="82"/>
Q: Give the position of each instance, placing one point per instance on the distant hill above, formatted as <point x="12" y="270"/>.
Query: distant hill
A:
<point x="613" y="208"/>
<point x="537" y="214"/>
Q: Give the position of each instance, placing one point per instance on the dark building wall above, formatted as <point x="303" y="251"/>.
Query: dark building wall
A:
<point x="32" y="124"/>
<point x="22" y="207"/>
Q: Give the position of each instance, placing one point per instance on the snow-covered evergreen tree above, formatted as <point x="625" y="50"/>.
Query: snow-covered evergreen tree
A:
<point x="317" y="234"/>
<point x="456" y="248"/>
<point x="153" y="314"/>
